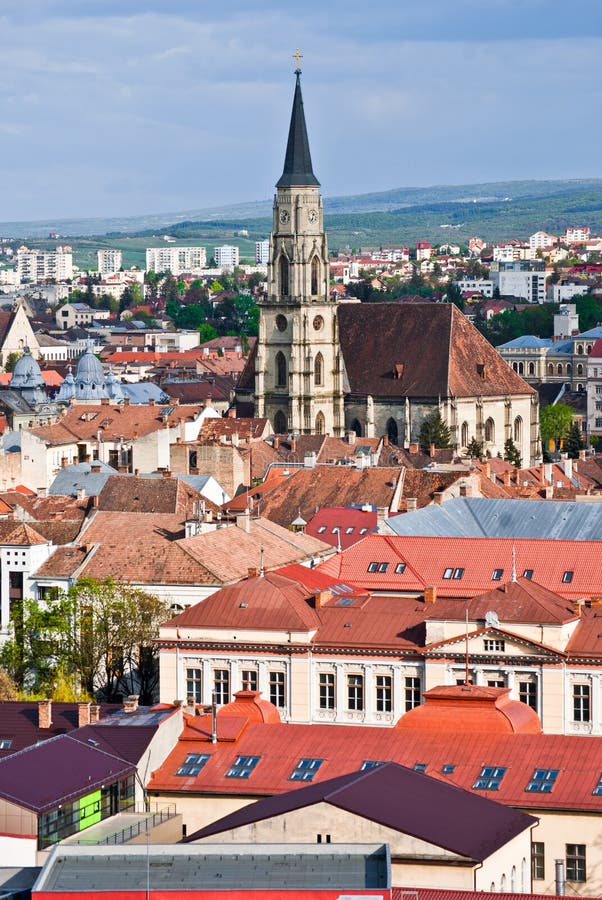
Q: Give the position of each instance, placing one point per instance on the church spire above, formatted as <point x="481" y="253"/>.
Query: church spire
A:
<point x="298" y="170"/>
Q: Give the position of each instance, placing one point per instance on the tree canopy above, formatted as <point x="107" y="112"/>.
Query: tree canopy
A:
<point x="554" y="423"/>
<point x="434" y="431"/>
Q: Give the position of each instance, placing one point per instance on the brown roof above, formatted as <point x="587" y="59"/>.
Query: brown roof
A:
<point x="246" y="429"/>
<point x="198" y="391"/>
<point x="515" y="601"/>
<point x="18" y="533"/>
<point x="131" y="493"/>
<point x="64" y="562"/>
<point x="442" y="353"/>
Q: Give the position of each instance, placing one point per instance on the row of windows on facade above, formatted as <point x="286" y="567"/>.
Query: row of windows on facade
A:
<point x="383" y="689"/>
<point x="284" y="272"/>
<point x="489" y="431"/>
<point x="575" y="863"/>
<point x="560" y="369"/>
<point x="281" y="370"/>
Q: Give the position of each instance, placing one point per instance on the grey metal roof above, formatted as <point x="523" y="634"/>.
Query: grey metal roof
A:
<point x="297" y="162"/>
<point x="480" y="517"/>
<point x="11" y="441"/>
<point x="72" y="479"/>
<point x="526" y="340"/>
<point x="217" y="867"/>
<point x="142" y="392"/>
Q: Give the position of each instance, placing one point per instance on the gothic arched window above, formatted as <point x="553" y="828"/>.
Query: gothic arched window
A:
<point x="315" y="275"/>
<point x="320" y="424"/>
<point x="280" y="423"/>
<point x="319" y="370"/>
<point x="490" y="430"/>
<point x="284" y="286"/>
<point x="518" y="430"/>
<point x="280" y="369"/>
<point x="392" y="432"/>
<point x="464" y="434"/>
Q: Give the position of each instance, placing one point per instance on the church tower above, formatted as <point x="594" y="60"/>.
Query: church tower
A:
<point x="298" y="369"/>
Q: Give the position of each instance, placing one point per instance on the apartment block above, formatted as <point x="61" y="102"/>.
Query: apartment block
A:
<point x="226" y="255"/>
<point x="262" y="252"/>
<point x="109" y="261"/>
<point x="176" y="260"/>
<point x="34" y="266"/>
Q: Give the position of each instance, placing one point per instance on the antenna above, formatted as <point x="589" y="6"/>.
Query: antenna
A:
<point x="213" y="717"/>
<point x="261" y="568"/>
<point x="513" y="563"/>
<point x="466" y="679"/>
<point x="339" y="548"/>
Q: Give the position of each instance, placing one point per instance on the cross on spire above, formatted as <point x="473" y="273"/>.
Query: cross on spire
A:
<point x="298" y="56"/>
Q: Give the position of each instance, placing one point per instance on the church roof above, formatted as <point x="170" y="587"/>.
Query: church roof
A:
<point x="420" y="350"/>
<point x="297" y="162"/>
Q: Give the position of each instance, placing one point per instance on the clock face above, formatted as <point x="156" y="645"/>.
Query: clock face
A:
<point x="284" y="216"/>
<point x="312" y="216"/>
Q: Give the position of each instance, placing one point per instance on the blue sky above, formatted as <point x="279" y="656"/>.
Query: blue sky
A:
<point x="117" y="107"/>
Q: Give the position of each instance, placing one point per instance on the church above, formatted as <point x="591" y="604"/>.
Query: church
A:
<point x="323" y="365"/>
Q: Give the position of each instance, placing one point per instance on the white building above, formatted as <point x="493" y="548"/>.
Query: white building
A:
<point x="262" y="252"/>
<point x="594" y="391"/>
<point x="576" y="235"/>
<point x="541" y="240"/>
<point x="176" y="260"/>
<point x="559" y="293"/>
<point x="226" y="255"/>
<point x="483" y="285"/>
<point x="529" y="285"/>
<point x="34" y="266"/>
<point x="109" y="260"/>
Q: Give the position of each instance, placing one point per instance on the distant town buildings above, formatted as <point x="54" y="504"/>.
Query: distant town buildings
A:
<point x="176" y="260"/>
<point x="226" y="255"/>
<point x="35" y="266"/>
<point x="109" y="261"/>
<point x="262" y="252"/>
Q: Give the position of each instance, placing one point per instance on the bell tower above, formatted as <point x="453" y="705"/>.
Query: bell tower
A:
<point x="298" y="369"/>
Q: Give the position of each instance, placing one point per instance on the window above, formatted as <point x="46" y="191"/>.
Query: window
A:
<point x="370" y="764"/>
<point x="249" y="680"/>
<point x="194" y="684"/>
<point x="420" y="767"/>
<point x="494" y="646"/>
<point x="372" y="567"/>
<point x="575" y="862"/>
<point x="527" y="693"/>
<point x="221" y="685"/>
<point x="326" y="685"/>
<point x="567" y="577"/>
<point x="319" y="370"/>
<point x="497" y="574"/>
<point x="448" y="572"/>
<point x="321" y="529"/>
<point x="448" y="768"/>
<point x="384" y="693"/>
<point x="193" y="764"/>
<point x="355" y="692"/>
<point x="528" y="573"/>
<point x="400" y="568"/>
<point x="277" y="689"/>
<point x="6" y="744"/>
<point x="280" y="370"/>
<point x="315" y="275"/>
<point x="597" y="791"/>
<point x="382" y="567"/>
<point x="538" y="860"/>
<point x="412" y="693"/>
<point x="305" y="769"/>
<point x="283" y="276"/>
<point x="490" y="778"/>
<point x="243" y="766"/>
<point x="542" y="781"/>
<point x="581" y="703"/>
<point x="490" y="431"/>
<point x="496" y="682"/>
<point x="464" y="434"/>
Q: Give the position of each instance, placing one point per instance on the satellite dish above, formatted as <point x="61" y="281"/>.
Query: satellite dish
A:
<point x="491" y="619"/>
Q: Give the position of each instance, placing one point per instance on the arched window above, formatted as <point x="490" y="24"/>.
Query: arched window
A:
<point x="280" y="369"/>
<point x="319" y="369"/>
<point x="569" y="368"/>
<point x="515" y="366"/>
<point x="521" y="368"/>
<point x="357" y="427"/>
<point x="279" y="423"/>
<point x="513" y="880"/>
<point x="523" y="875"/>
<point x="589" y="348"/>
<point x="490" y="430"/>
<point x="579" y="369"/>
<point x="284" y="276"/>
<point x="531" y="368"/>
<point x="503" y="884"/>
<point x="518" y="430"/>
<point x="579" y="387"/>
<point x="464" y="434"/>
<point x="580" y="349"/>
<point x="320" y="424"/>
<point x="392" y="432"/>
<point x="559" y="368"/>
<point x="315" y="275"/>
<point x="550" y="369"/>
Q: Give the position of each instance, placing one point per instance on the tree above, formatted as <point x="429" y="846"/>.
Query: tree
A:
<point x="8" y="688"/>
<point x="206" y="333"/>
<point x="96" y="640"/>
<point x="554" y="423"/>
<point x="169" y="288"/>
<point x="11" y="360"/>
<point x="511" y="453"/>
<point x="574" y="441"/>
<point x="474" y="449"/>
<point x="453" y="294"/>
<point x="434" y="431"/>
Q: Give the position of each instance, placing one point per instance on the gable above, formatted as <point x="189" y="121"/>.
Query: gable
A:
<point x="489" y="643"/>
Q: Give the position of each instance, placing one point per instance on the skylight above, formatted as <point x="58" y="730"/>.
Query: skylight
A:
<point x="350" y="530"/>
<point x="542" y="781"/>
<point x="497" y="574"/>
<point x="371" y="764"/>
<point x="528" y="573"/>
<point x="372" y="567"/>
<point x="321" y="529"/>
<point x="363" y="530"/>
<point x="448" y="768"/>
<point x="597" y="791"/>
<point x="490" y="778"/>
<point x="243" y="766"/>
<point x="458" y="573"/>
<point x="382" y="567"/>
<point x="305" y="769"/>
<point x="567" y="577"/>
<point x="400" y="568"/>
<point x="448" y="572"/>
<point x="193" y="764"/>
<point x="420" y="767"/>
<point x="6" y="743"/>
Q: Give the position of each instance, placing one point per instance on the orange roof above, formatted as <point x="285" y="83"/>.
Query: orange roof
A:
<point x="250" y="706"/>
<point x="471" y="708"/>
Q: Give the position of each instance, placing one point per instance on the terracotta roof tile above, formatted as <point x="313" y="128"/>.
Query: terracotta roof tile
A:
<point x="83" y="422"/>
<point x="130" y="493"/>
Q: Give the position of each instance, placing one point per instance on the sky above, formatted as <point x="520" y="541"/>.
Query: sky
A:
<point x="130" y="107"/>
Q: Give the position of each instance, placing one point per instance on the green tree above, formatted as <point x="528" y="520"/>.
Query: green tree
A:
<point x="206" y="332"/>
<point x="169" y="288"/>
<point x="474" y="449"/>
<point x="511" y="453"/>
<point x="434" y="431"/>
<point x="453" y="294"/>
<point x="574" y="441"/>
<point x="12" y="360"/>
<point x="554" y="423"/>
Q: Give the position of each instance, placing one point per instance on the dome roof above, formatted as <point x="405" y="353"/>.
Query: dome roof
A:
<point x="90" y="377"/>
<point x="26" y="372"/>
<point x="250" y="706"/>
<point x="67" y="388"/>
<point x="471" y="708"/>
<point x="114" y="389"/>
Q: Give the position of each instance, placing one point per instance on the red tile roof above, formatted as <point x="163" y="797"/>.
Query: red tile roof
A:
<point x="342" y="525"/>
<point x="472" y="708"/>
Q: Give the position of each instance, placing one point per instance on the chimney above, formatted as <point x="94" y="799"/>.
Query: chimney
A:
<point x="411" y="503"/>
<point x="41" y="492"/>
<point x="385" y="440"/>
<point x="126" y="401"/>
<point x="430" y="594"/>
<point x="232" y="412"/>
<point x="382" y="514"/>
<point x="432" y="451"/>
<point x="506" y="477"/>
<point x="438" y="497"/>
<point x="81" y="494"/>
<point x="321" y="598"/>
<point x="351" y="436"/>
<point x="44" y="713"/>
<point x="94" y="713"/>
<point x="466" y="490"/>
<point x="487" y="469"/>
<point x="130" y="704"/>
<point x="83" y="714"/>
<point x="293" y="444"/>
<point x="582" y="454"/>
<point x="207" y="403"/>
<point x="567" y="465"/>
<point x="166" y="473"/>
<point x="244" y="521"/>
<point x="252" y="572"/>
<point x="64" y="462"/>
<point x="151" y="401"/>
<point x="549" y="491"/>
<point x="276" y="443"/>
<point x="104" y="401"/>
<point x="95" y="467"/>
<point x="560" y="886"/>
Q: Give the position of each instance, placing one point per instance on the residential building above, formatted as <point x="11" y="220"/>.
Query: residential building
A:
<point x="423" y="250"/>
<point x="226" y="255"/>
<point x="72" y="315"/>
<point x="541" y="240"/>
<point x="519" y="279"/>
<point x="577" y="235"/>
<point x="262" y="252"/>
<point x="560" y="293"/>
<point x="594" y="390"/>
<point x="176" y="260"/>
<point x="109" y="260"/>
<point x="483" y="286"/>
<point x="34" y="266"/>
